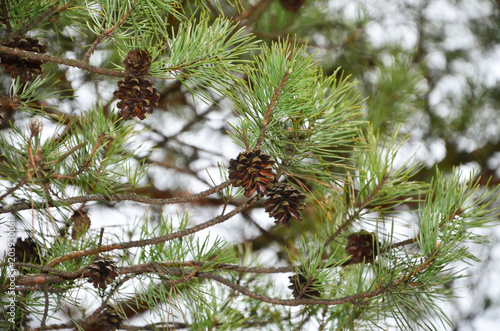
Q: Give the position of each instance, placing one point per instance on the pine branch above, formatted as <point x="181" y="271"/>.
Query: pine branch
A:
<point x="13" y="189"/>
<point x="52" y="11"/>
<point x="399" y="244"/>
<point x="26" y="280"/>
<point x="354" y="298"/>
<point x="107" y="33"/>
<point x="115" y="197"/>
<point x="59" y="60"/>
<point x="354" y="216"/>
<point x="46" y="307"/>
<point x="157" y="240"/>
<point x="270" y="109"/>
<point x="155" y="267"/>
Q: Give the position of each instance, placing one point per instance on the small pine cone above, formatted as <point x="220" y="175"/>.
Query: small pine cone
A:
<point x="253" y="171"/>
<point x="81" y="223"/>
<point x="102" y="272"/>
<point x="285" y="202"/>
<point x="137" y="62"/>
<point x="112" y="317"/>
<point x="27" y="251"/>
<point x="292" y="5"/>
<point x="362" y="247"/>
<point x="138" y="96"/>
<point x="17" y="65"/>
<point x="298" y="282"/>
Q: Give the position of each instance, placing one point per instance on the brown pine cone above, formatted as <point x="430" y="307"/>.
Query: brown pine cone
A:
<point x="285" y="203"/>
<point x="102" y="272"/>
<point x="112" y="317"/>
<point x="138" y="96"/>
<point x="137" y="62"/>
<point x="253" y="171"/>
<point x="16" y="65"/>
<point x="81" y="223"/>
<point x="27" y="251"/>
<point x="362" y="247"/>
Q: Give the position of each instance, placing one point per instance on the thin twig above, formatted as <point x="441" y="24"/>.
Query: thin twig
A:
<point x="65" y="155"/>
<point x="59" y="60"/>
<point x="118" y="197"/>
<point x="108" y="32"/>
<point x="11" y="190"/>
<point x="48" y="279"/>
<point x="99" y="245"/>
<point x="247" y="13"/>
<point x="270" y="109"/>
<point x="74" y="174"/>
<point x="46" y="307"/>
<point x="399" y="244"/>
<point x="290" y="302"/>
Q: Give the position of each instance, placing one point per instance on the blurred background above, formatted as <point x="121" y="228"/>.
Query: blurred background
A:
<point x="429" y="66"/>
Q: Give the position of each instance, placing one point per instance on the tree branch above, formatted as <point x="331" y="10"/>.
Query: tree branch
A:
<point x="270" y="109"/>
<point x="59" y="60"/>
<point x="108" y="32"/>
<point x="153" y="267"/>
<point x="157" y="240"/>
<point x="117" y="197"/>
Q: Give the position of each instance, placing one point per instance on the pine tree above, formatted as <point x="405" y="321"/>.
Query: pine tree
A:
<point x="144" y="141"/>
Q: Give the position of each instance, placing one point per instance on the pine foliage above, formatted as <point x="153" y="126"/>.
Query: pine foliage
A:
<point x="377" y="243"/>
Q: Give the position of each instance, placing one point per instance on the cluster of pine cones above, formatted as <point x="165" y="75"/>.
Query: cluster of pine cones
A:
<point x="137" y="94"/>
<point x="361" y="246"/>
<point x="253" y="170"/>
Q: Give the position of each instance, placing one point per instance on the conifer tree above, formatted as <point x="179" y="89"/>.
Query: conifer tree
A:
<point x="196" y="165"/>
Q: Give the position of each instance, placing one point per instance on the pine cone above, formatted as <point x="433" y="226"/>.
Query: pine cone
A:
<point x="253" y="171"/>
<point x="362" y="247"/>
<point x="138" y="96"/>
<point x="112" y="317"/>
<point x="298" y="282"/>
<point x="81" y="223"/>
<point x="137" y="62"/>
<point x="27" y="251"/>
<point x="102" y="272"/>
<point x="285" y="202"/>
<point x="18" y="66"/>
<point x="292" y="5"/>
